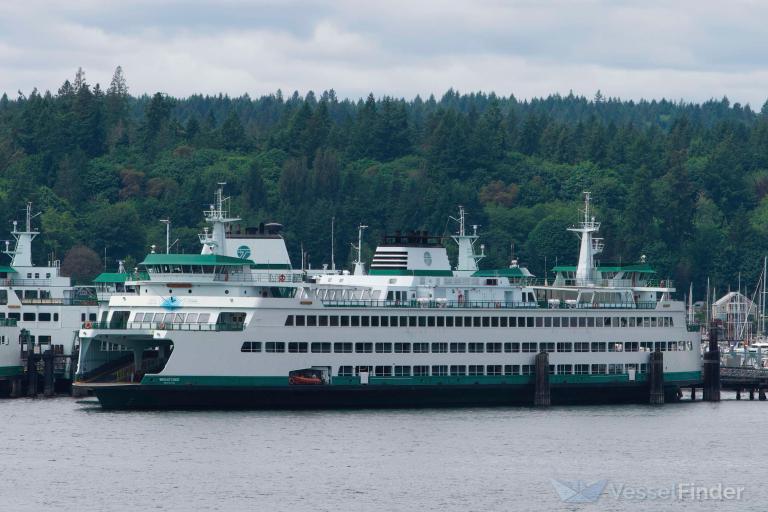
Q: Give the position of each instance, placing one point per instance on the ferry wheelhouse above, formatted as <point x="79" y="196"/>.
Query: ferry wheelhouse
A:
<point x="238" y="326"/>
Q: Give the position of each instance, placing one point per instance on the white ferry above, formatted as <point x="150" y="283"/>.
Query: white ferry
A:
<point x="42" y="301"/>
<point x="237" y="326"/>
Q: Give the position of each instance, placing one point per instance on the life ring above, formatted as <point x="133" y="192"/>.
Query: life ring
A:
<point x="88" y="325"/>
<point x="281" y="278"/>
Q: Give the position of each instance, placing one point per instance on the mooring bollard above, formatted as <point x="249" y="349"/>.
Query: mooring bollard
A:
<point x="541" y="397"/>
<point x="761" y="394"/>
<point x="738" y="394"/>
<point x="656" y="378"/>
<point x="751" y="394"/>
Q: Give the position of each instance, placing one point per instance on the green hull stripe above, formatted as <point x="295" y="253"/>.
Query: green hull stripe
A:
<point x="405" y="272"/>
<point x="237" y="381"/>
<point x="11" y="371"/>
<point x="268" y="266"/>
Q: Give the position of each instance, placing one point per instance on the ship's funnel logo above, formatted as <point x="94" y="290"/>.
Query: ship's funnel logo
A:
<point x="243" y="252"/>
<point x="579" y="492"/>
<point x="171" y="303"/>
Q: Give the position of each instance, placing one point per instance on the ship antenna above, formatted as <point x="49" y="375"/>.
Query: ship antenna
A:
<point x="333" y="261"/>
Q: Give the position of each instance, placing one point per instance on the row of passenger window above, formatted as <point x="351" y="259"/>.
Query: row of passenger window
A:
<point x="32" y="317"/>
<point x="476" y="321"/>
<point x="441" y="370"/>
<point x="172" y="318"/>
<point x="461" y="348"/>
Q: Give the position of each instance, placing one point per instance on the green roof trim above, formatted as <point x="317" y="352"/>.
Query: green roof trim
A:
<point x="118" y="277"/>
<point x="194" y="259"/>
<point x="502" y="272"/>
<point x="7" y="269"/>
<point x="640" y="268"/>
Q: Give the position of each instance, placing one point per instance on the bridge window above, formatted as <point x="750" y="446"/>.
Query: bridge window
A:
<point x="512" y="347"/>
<point x="311" y="321"/>
<point x="598" y="346"/>
<point x="529" y="347"/>
<point x="191" y="318"/>
<point x="203" y="318"/>
<point x="502" y="322"/>
<point x="333" y="321"/>
<point x="539" y="321"/>
<point x="631" y="346"/>
<point x="374" y="321"/>
<point x="365" y="321"/>
<point x="402" y="348"/>
<point x="420" y="348"/>
<point x="529" y="321"/>
<point x="458" y="347"/>
<point x="440" y="321"/>
<point x="581" y="346"/>
<point x="512" y="321"/>
<point x="493" y="347"/>
<point x="322" y="321"/>
<point x="564" y="347"/>
<point x="355" y="321"/>
<point x="486" y="321"/>
<point x="322" y="347"/>
<point x="385" y="321"/>
<point x="458" y="321"/>
<point x="383" y="348"/>
<point x="300" y="321"/>
<point x="547" y="347"/>
<point x="44" y="317"/>
<point x="344" y="321"/>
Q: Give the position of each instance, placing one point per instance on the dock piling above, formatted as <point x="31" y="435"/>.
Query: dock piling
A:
<point x="48" y="376"/>
<point x="761" y="394"/>
<point x="656" y="378"/>
<point x="542" y="396"/>
<point x="711" y="390"/>
<point x="16" y="387"/>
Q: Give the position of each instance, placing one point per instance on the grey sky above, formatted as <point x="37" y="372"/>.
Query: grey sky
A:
<point x="645" y="49"/>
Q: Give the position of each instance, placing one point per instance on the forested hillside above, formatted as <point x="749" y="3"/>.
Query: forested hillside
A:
<point x="684" y="184"/>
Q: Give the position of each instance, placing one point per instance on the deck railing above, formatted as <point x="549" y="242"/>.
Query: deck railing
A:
<point x="472" y="304"/>
<point x="164" y="326"/>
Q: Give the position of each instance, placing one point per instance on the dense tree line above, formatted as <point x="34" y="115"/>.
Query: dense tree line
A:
<point x="684" y="184"/>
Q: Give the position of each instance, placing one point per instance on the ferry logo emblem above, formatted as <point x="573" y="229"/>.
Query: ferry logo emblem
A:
<point x="171" y="303"/>
<point x="427" y="258"/>
<point x="578" y="491"/>
<point x="243" y="252"/>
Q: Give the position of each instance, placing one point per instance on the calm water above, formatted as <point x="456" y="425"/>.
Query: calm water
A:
<point x="60" y="454"/>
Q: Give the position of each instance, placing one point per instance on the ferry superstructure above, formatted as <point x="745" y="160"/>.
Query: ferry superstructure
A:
<point x="42" y="301"/>
<point x="237" y="326"/>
